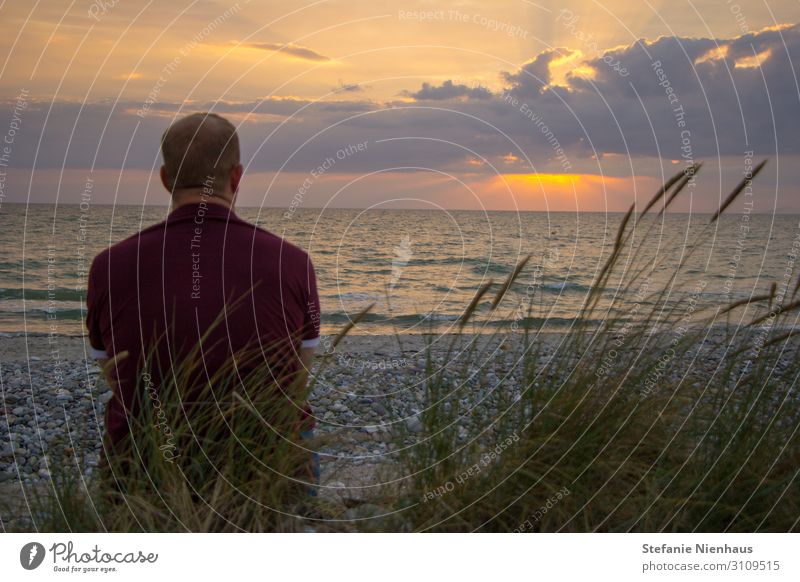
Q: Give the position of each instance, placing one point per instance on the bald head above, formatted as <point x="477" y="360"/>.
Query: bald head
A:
<point x="197" y="149"/>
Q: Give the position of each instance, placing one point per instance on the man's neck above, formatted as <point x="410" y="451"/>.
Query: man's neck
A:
<point x="198" y="196"/>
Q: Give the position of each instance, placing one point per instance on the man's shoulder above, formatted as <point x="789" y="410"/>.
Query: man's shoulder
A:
<point x="126" y="246"/>
<point x="270" y="241"/>
<point x="265" y="243"/>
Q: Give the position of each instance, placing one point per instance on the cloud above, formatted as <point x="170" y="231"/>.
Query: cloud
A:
<point x="534" y="76"/>
<point x="294" y="50"/>
<point x="448" y="90"/>
<point x="607" y="121"/>
<point x="348" y="88"/>
<point x="675" y="93"/>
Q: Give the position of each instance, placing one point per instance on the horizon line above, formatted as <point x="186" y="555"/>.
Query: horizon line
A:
<point x="789" y="213"/>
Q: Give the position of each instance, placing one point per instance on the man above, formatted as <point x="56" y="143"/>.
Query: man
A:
<point x="202" y="278"/>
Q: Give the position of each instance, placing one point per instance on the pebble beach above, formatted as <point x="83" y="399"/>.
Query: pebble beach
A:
<point x="372" y="387"/>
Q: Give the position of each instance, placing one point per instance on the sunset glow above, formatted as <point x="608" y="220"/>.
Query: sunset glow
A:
<point x="563" y="99"/>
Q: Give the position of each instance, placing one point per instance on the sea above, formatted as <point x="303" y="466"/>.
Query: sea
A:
<point x="418" y="270"/>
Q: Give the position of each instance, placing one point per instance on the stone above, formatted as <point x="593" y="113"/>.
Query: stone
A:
<point x="413" y="424"/>
<point x="64" y="396"/>
<point x="365" y="511"/>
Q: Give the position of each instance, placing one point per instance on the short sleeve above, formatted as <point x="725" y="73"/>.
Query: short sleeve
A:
<point x="311" y="320"/>
<point x="94" y="306"/>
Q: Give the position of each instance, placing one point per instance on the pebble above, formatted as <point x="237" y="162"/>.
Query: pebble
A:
<point x="365" y="511"/>
<point x="63" y="396"/>
<point x="379" y="408"/>
<point x="413" y="424"/>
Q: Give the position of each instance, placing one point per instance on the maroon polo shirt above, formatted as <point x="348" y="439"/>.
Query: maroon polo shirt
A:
<point x="176" y="278"/>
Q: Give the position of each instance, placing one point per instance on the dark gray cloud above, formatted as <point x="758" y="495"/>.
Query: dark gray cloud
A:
<point x="348" y="88"/>
<point x="448" y="90"/>
<point x="672" y="86"/>
<point x="294" y="50"/>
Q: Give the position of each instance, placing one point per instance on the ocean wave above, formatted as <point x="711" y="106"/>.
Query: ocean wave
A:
<point x="564" y="286"/>
<point x="406" y="320"/>
<point x="63" y="309"/>
<point x="58" y="294"/>
<point x="356" y="296"/>
<point x="436" y="261"/>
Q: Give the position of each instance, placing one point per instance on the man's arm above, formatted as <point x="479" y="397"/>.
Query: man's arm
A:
<point x="307" y="360"/>
<point x="311" y="324"/>
<point x="108" y="365"/>
<point x="95" y="306"/>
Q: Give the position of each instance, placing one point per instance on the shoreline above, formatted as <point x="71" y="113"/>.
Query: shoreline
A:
<point x="19" y="346"/>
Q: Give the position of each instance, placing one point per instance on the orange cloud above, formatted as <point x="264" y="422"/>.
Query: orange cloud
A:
<point x="753" y="61"/>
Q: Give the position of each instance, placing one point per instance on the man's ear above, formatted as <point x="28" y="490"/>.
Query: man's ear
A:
<point x="165" y="179"/>
<point x="236" y="177"/>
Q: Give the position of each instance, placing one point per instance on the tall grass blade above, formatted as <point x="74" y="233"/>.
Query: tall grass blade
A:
<point x="738" y="190"/>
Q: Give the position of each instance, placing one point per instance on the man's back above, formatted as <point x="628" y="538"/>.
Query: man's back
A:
<point x="202" y="276"/>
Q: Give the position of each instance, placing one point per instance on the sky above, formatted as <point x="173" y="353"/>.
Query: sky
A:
<point x="572" y="105"/>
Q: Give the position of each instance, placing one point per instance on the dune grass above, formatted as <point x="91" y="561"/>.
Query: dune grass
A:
<point x="690" y="428"/>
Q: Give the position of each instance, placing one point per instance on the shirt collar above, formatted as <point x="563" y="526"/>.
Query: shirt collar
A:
<point x="202" y="210"/>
